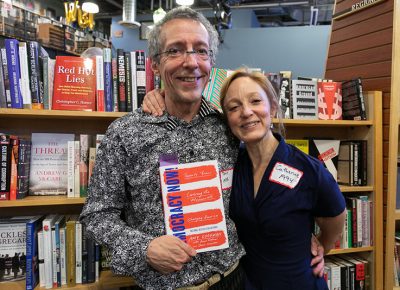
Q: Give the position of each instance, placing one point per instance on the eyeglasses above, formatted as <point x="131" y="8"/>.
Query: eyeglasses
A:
<point x="200" y="54"/>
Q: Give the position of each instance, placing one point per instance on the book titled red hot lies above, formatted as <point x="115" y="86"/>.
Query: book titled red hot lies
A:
<point x="74" y="84"/>
<point x="193" y="205"/>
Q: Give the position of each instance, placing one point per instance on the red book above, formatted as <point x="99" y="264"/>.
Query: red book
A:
<point x="329" y="101"/>
<point x="74" y="84"/>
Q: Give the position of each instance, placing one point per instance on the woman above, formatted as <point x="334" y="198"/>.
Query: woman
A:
<point x="277" y="192"/>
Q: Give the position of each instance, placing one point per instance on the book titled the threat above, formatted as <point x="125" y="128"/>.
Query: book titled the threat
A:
<point x="193" y="205"/>
<point x="74" y="84"/>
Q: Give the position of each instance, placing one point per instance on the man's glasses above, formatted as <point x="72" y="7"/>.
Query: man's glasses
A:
<point x="200" y="54"/>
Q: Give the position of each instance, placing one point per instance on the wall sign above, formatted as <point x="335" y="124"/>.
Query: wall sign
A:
<point x="361" y="5"/>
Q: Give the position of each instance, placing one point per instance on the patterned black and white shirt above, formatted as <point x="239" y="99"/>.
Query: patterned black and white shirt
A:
<point x="123" y="209"/>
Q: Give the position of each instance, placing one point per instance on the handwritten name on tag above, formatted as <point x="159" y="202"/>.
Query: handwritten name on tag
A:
<point x="285" y="175"/>
<point x="226" y="178"/>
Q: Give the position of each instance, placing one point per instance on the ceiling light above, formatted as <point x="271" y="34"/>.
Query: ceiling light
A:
<point x="185" y="2"/>
<point x="90" y="7"/>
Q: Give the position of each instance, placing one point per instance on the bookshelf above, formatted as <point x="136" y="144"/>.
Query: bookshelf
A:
<point x="370" y="130"/>
<point x="393" y="214"/>
<point x="23" y="122"/>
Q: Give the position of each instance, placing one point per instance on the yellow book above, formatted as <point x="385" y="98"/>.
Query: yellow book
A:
<point x="70" y="250"/>
<point x="299" y="143"/>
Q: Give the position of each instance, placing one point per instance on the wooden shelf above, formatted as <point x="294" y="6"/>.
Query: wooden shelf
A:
<point x="356" y="188"/>
<point x="107" y="281"/>
<point x="42" y="201"/>
<point x="325" y="123"/>
<point x="350" y="250"/>
<point x="397" y="214"/>
<point x="57" y="114"/>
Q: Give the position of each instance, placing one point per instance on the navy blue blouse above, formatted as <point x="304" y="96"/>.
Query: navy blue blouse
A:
<point x="275" y="227"/>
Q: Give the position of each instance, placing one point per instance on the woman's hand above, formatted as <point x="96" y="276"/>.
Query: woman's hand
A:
<point x="154" y="103"/>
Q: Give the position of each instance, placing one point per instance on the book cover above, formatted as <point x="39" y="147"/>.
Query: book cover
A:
<point x="70" y="251"/>
<point x="14" y="73"/>
<point x="78" y="252"/>
<point x="49" y="164"/>
<point x="329" y="100"/>
<point x="133" y="80"/>
<point x="149" y="76"/>
<point x="213" y="88"/>
<point x="63" y="257"/>
<point x="83" y="164"/>
<point x="285" y="101"/>
<point x="345" y="163"/>
<point x="58" y="225"/>
<point x="42" y="272"/>
<point x="327" y="151"/>
<point x="74" y="84"/>
<point x="115" y="86"/>
<point x="71" y="168"/>
<point x="193" y="206"/>
<point x="353" y="102"/>
<point x="13" y="248"/>
<point x="304" y="98"/>
<point x="301" y="144"/>
<point x="23" y="168"/>
<point x="3" y="96"/>
<point x="14" y="167"/>
<point x="128" y="81"/>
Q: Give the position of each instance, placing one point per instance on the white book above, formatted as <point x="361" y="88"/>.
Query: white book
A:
<point x="48" y="224"/>
<point x="100" y="83"/>
<point x="193" y="206"/>
<point x="71" y="169"/>
<point x="54" y="257"/>
<point x="24" y="81"/>
<point x="42" y="272"/>
<point x="133" y="81"/>
<point x="63" y="259"/>
<point x="78" y="252"/>
<point x="76" y="171"/>
<point x="335" y="275"/>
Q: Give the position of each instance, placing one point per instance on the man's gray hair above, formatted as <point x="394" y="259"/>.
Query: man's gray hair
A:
<point x="182" y="12"/>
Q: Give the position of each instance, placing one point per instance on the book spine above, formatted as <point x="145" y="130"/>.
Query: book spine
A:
<point x="14" y="165"/>
<point x="48" y="253"/>
<point x="140" y="76"/>
<point x="84" y="163"/>
<point x="24" y="74"/>
<point x="115" y="90"/>
<point x="54" y="257"/>
<point x="6" y="79"/>
<point x="30" y="252"/>
<point x="149" y="76"/>
<point x="5" y="167"/>
<point x="44" y="67"/>
<point x="134" y="81"/>
<point x="57" y="255"/>
<point x="70" y="253"/>
<point x="35" y="75"/>
<point x="78" y="254"/>
<point x="77" y="150"/>
<point x="100" y="101"/>
<point x="84" y="257"/>
<point x="108" y="80"/>
<point x="71" y="169"/>
<point x="362" y="100"/>
<point x="3" y="96"/>
<point x="24" y="159"/>
<point x="128" y="81"/>
<point x="121" y="81"/>
<point x="42" y="270"/>
<point x="63" y="260"/>
<point x="14" y="73"/>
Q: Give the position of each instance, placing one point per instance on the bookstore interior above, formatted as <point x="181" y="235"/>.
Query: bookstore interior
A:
<point x="63" y="82"/>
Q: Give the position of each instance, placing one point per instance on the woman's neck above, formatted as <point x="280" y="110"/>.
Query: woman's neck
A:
<point x="260" y="153"/>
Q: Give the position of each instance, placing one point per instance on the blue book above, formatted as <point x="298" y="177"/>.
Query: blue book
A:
<point x="32" y="266"/>
<point x="60" y="222"/>
<point x="14" y="73"/>
<point x="108" y="80"/>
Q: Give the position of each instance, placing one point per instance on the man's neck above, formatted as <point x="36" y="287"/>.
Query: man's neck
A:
<point x="184" y="111"/>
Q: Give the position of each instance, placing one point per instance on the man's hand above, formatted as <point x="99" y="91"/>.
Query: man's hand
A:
<point x="168" y="254"/>
<point x="317" y="262"/>
<point x="154" y="103"/>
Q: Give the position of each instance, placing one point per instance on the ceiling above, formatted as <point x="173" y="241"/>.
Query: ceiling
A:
<point x="269" y="13"/>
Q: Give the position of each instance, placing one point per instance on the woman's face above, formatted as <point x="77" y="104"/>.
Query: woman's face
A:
<point x="248" y="110"/>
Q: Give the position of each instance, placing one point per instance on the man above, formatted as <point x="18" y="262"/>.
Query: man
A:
<point x="124" y="207"/>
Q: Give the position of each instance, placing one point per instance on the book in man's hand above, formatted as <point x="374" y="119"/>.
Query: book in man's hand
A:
<point x="193" y="206"/>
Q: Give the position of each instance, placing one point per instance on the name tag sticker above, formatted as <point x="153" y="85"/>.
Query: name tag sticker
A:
<point x="226" y="178"/>
<point x="285" y="175"/>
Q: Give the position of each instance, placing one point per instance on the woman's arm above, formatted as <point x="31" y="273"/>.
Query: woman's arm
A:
<point x="330" y="230"/>
<point x="154" y="103"/>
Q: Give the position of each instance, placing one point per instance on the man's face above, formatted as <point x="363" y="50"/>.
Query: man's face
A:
<point x="186" y="76"/>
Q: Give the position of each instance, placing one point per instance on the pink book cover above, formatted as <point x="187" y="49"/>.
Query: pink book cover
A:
<point x="193" y="205"/>
<point x="329" y="101"/>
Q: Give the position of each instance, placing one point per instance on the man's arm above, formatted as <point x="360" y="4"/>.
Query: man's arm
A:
<point x="133" y="251"/>
<point x="154" y="103"/>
